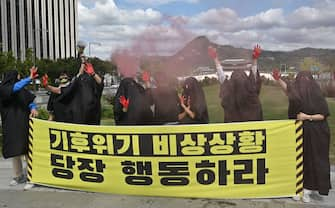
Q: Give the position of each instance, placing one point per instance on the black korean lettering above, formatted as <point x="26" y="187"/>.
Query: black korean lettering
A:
<point x="62" y="173"/>
<point x="100" y="166"/>
<point x="173" y="168"/>
<point x="223" y="172"/>
<point x="144" y="168"/>
<point x="138" y="180"/>
<point x="91" y="177"/>
<point x="205" y="176"/>
<point x="261" y="171"/>
<point x="85" y="164"/>
<point x="57" y="160"/>
<point x="141" y="168"/>
<point x="128" y="168"/>
<point x="174" y="181"/>
<point x="54" y="160"/>
<point x="175" y="172"/>
<point x="238" y="174"/>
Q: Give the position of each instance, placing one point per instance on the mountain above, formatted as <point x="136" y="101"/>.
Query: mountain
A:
<point x="194" y="55"/>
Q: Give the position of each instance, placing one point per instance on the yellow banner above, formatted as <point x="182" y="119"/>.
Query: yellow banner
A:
<point x="239" y="160"/>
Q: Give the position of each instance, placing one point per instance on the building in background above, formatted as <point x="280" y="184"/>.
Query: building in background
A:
<point x="48" y="27"/>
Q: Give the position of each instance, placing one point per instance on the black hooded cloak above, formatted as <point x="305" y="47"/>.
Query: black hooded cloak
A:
<point x="165" y="100"/>
<point x="192" y="90"/>
<point x="167" y="105"/>
<point x="82" y="100"/>
<point x="59" y="110"/>
<point x="306" y="96"/>
<point x="139" y="112"/>
<point x="15" y="116"/>
<point x="239" y="97"/>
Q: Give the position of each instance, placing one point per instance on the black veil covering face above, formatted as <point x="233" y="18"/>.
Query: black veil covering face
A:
<point x="306" y="96"/>
<point x="138" y="111"/>
<point x="165" y="100"/>
<point x="15" y="116"/>
<point x="194" y="94"/>
<point x="239" y="97"/>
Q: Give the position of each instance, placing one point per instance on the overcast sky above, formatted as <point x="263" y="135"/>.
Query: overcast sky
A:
<point x="275" y="24"/>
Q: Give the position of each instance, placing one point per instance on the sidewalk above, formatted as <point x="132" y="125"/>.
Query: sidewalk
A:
<point x="43" y="197"/>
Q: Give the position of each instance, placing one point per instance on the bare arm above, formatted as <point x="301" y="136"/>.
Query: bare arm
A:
<point x="254" y="68"/>
<point x="97" y="78"/>
<point x="282" y="85"/>
<point x="219" y="69"/>
<point x="187" y="110"/>
<point x="213" y="55"/>
<point x="53" y="89"/>
<point x="312" y="117"/>
<point x="277" y="76"/>
<point x="81" y="69"/>
<point x="181" y="115"/>
<point x="190" y="113"/>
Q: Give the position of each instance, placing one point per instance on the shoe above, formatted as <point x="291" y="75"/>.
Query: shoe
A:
<point x="296" y="197"/>
<point x="18" y="180"/>
<point x="306" y="197"/>
<point x="28" y="186"/>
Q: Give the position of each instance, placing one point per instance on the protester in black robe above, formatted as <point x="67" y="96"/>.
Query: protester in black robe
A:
<point x="132" y="104"/>
<point x="16" y="105"/>
<point x="240" y="94"/>
<point x="82" y="97"/>
<point x="193" y="103"/>
<point x="58" y="111"/>
<point x="165" y="100"/>
<point x="307" y="104"/>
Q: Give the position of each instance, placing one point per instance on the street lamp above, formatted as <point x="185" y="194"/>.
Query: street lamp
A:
<point x="89" y="46"/>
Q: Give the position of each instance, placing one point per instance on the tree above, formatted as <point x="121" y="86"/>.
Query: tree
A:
<point x="52" y="68"/>
<point x="7" y="61"/>
<point x="312" y="64"/>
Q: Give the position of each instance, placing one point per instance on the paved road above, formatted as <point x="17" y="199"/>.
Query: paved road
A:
<point x="43" y="197"/>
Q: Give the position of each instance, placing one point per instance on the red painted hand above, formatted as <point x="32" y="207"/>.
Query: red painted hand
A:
<point x="146" y="76"/>
<point x="89" y="69"/>
<point x="212" y="52"/>
<point x="125" y="103"/>
<point x="33" y="72"/>
<point x="256" y="52"/>
<point x="182" y="100"/>
<point x="276" y="74"/>
<point x="45" y="80"/>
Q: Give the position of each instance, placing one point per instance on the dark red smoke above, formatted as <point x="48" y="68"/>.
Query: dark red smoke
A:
<point x="164" y="38"/>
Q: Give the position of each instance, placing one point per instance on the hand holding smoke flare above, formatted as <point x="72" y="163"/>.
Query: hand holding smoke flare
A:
<point x="212" y="52"/>
<point x="89" y="69"/>
<point x="276" y="74"/>
<point x="125" y="103"/>
<point x="33" y="72"/>
<point x="256" y="52"/>
<point x="81" y="47"/>
<point x="45" y="80"/>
